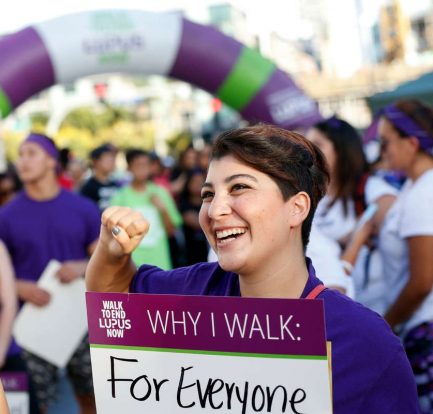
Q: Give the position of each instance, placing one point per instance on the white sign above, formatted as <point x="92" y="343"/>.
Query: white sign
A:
<point x="165" y="354"/>
<point x="53" y="332"/>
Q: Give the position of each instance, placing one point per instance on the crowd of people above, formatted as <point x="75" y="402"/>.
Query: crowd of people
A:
<point x="366" y="227"/>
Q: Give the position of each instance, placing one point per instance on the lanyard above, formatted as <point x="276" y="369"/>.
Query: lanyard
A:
<point x="315" y="292"/>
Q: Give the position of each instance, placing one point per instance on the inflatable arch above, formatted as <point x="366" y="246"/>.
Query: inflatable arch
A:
<point x="66" y="48"/>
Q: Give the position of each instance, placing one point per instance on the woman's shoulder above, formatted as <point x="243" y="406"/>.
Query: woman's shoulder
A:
<point x="377" y="187"/>
<point x="356" y="331"/>
<point x="198" y="279"/>
<point x="368" y="360"/>
<point x="422" y="188"/>
<point x="349" y="320"/>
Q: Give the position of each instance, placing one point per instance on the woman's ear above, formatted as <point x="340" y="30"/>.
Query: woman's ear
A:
<point x="299" y="206"/>
<point x="414" y="144"/>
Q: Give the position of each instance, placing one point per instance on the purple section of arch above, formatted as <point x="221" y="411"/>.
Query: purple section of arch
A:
<point x="281" y="95"/>
<point x="25" y="67"/>
<point x="205" y="56"/>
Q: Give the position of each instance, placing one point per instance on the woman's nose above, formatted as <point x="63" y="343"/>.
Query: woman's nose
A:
<point x="220" y="206"/>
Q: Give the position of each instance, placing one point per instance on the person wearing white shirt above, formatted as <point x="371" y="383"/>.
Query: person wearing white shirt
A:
<point x="406" y="238"/>
<point x="336" y="214"/>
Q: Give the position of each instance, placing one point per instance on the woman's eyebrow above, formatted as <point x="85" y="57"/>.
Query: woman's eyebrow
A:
<point x="235" y="176"/>
<point x="231" y="178"/>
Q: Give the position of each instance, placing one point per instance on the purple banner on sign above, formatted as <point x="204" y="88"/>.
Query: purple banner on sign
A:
<point x="283" y="103"/>
<point x="14" y="381"/>
<point x="28" y="69"/>
<point x="214" y="324"/>
<point x="197" y="61"/>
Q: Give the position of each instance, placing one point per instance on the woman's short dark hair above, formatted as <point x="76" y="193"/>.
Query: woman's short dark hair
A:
<point x="293" y="162"/>
<point x="351" y="163"/>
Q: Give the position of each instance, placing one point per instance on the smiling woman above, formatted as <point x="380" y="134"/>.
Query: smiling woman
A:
<point x="259" y="198"/>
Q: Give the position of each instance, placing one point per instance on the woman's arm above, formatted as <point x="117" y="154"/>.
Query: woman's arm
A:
<point x="362" y="235"/>
<point x="8" y="300"/>
<point x="111" y="268"/>
<point x="420" y="281"/>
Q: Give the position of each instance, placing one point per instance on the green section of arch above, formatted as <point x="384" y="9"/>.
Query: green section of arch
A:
<point x="5" y="105"/>
<point x="249" y="74"/>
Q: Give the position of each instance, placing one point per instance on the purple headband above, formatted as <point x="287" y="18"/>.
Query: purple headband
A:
<point x="45" y="143"/>
<point x="405" y="124"/>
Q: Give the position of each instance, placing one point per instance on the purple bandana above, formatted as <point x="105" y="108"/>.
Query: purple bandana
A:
<point x="45" y="143"/>
<point x="405" y="124"/>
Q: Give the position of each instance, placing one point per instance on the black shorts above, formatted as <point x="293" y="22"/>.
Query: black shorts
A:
<point x="45" y="375"/>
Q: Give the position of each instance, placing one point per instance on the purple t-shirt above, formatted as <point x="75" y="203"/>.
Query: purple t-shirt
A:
<point x="370" y="370"/>
<point x="35" y="232"/>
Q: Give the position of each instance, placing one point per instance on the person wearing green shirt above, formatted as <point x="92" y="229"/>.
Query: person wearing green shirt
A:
<point x="156" y="204"/>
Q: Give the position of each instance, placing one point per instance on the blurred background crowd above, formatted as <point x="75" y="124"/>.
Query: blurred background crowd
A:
<point x="145" y="142"/>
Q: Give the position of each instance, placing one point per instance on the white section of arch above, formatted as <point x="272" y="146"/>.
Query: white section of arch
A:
<point x="111" y="41"/>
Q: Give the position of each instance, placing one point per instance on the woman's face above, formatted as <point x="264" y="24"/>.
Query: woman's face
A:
<point x="243" y="215"/>
<point x="397" y="152"/>
<point x="325" y="145"/>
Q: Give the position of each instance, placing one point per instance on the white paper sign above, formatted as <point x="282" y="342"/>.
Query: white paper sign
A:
<point x="53" y="332"/>
<point x="197" y="383"/>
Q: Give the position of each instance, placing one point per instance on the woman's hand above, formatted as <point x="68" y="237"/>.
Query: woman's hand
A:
<point x="110" y="267"/>
<point x="29" y="291"/>
<point x="122" y="230"/>
<point x="72" y="270"/>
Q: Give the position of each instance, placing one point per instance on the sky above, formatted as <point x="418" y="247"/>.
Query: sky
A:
<point x="263" y="15"/>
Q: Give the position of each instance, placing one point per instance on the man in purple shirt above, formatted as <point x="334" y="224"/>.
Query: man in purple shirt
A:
<point x="42" y="223"/>
<point x="259" y="198"/>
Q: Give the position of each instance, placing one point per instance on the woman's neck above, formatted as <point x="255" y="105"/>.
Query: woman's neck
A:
<point x="332" y="188"/>
<point x="422" y="163"/>
<point x="284" y="278"/>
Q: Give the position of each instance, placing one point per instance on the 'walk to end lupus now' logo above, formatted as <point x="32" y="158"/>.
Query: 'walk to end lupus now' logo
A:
<point x="114" y="318"/>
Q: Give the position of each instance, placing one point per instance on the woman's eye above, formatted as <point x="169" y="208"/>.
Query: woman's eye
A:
<point x="206" y="195"/>
<point x="238" y="187"/>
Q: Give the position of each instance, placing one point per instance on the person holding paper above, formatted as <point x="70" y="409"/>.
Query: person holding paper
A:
<point x="338" y="211"/>
<point x="42" y="223"/>
<point x="262" y="188"/>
